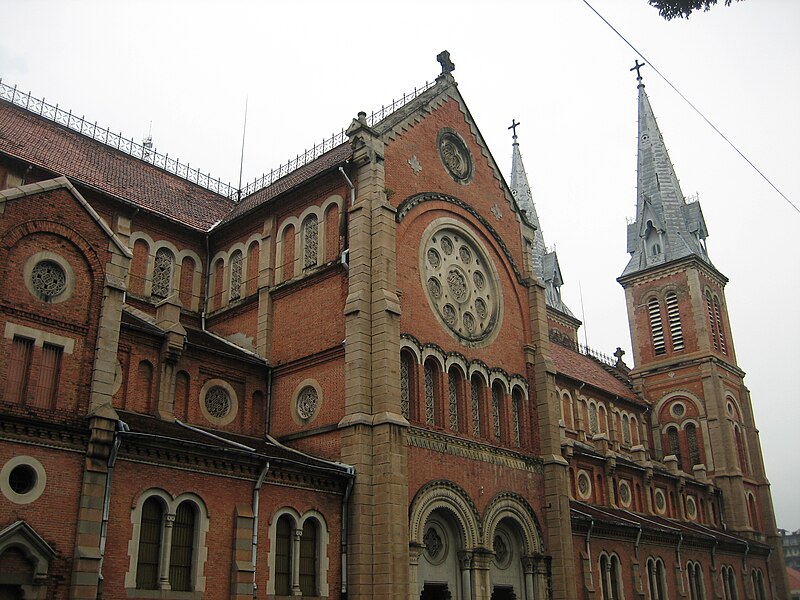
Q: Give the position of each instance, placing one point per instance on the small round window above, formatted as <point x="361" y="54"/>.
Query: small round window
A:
<point x="22" y="479"/>
<point x="584" y="485"/>
<point x="624" y="493"/>
<point x="49" y="277"/>
<point x="307" y="401"/>
<point x="691" y="508"/>
<point x="661" y="501"/>
<point x="218" y="402"/>
<point x="678" y="410"/>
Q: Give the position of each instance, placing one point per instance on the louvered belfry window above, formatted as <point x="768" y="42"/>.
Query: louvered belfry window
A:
<point x="711" y="321"/>
<point x="674" y="318"/>
<point x="656" y="326"/>
<point x="308" y="559"/>
<point x="283" y="557"/>
<point x="719" y="328"/>
<point x="149" y="544"/>
<point x="180" y="561"/>
<point x="162" y="273"/>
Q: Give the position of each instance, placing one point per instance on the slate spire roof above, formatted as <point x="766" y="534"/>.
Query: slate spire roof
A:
<point x="666" y="228"/>
<point x="545" y="264"/>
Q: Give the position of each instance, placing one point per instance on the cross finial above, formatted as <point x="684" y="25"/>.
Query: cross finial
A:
<point x="513" y="128"/>
<point x="444" y="60"/>
<point x="619" y="353"/>
<point x="636" y="67"/>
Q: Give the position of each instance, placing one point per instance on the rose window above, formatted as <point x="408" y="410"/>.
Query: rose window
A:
<point x="48" y="278"/>
<point x="460" y="283"/>
<point x="218" y="402"/>
<point x="307" y="403"/>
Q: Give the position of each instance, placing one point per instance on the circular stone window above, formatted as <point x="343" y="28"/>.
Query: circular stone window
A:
<point x="691" y="508"/>
<point x="584" y="485"/>
<point x="661" y="501"/>
<point x="49" y="277"/>
<point x="307" y="401"/>
<point x="22" y="479"/>
<point x="218" y="402"/>
<point x="460" y="283"/>
<point x="455" y="155"/>
<point x="624" y="494"/>
<point x="678" y="410"/>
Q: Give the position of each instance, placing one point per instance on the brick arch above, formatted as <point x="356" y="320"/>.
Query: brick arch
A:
<point x="448" y="496"/>
<point x="508" y="505"/>
<point x="683" y="395"/>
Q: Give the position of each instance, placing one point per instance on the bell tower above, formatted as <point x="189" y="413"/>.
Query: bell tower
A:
<point x="685" y="361"/>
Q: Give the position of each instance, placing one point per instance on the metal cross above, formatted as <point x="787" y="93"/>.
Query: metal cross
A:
<point x="513" y="127"/>
<point x="636" y="67"/>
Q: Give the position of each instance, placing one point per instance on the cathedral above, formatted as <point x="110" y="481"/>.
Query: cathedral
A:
<point x="357" y="379"/>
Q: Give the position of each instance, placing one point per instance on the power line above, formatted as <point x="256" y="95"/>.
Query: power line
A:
<point x="697" y="110"/>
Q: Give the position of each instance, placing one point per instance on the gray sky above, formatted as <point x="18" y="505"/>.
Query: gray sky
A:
<point x="309" y="67"/>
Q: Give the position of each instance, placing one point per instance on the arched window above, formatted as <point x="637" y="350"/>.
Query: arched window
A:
<point x="740" y="450"/>
<point x="758" y="584"/>
<point x="674" y="446"/>
<point x="168" y="539"/>
<point x="626" y="430"/>
<point x="674" y="319"/>
<point x="453" y="381"/>
<point x="691" y="442"/>
<point x="283" y="556"/>
<point x="656" y="579"/>
<point x="497" y="394"/>
<point x="593" y="425"/>
<point x="236" y="275"/>
<point x="431" y="371"/>
<point x="719" y="327"/>
<point x="696" y="588"/>
<point x="310" y="241"/>
<point x="163" y="266"/>
<point x="308" y="559"/>
<point x="656" y="326"/>
<point x="729" y="584"/>
<point x="566" y="410"/>
<point x="150" y="528"/>
<point x="516" y="403"/>
<point x="753" y="510"/>
<point x="406" y="368"/>
<point x="475" y="401"/>
<point x="180" y="562"/>
<point x="610" y="577"/>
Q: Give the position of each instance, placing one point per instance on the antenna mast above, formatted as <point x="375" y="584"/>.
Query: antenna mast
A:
<point x="241" y="161"/>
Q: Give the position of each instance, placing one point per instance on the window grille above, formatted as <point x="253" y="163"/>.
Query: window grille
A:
<point x="674" y="318"/>
<point x="656" y="326"/>
<point x="405" y="385"/>
<point x="162" y="273"/>
<point x="476" y="412"/>
<point x="626" y="430"/>
<point x="593" y="426"/>
<point x="674" y="444"/>
<point x="149" y="545"/>
<point x="48" y="375"/>
<point x="308" y="559"/>
<point x="283" y="557"/>
<point x="515" y="415"/>
<point x="691" y="441"/>
<point x="452" y="392"/>
<point x="310" y="241"/>
<point x="496" y="411"/>
<point x="236" y="275"/>
<point x="711" y="321"/>
<point x="180" y="560"/>
<point x="429" y="394"/>
<point x="696" y="590"/>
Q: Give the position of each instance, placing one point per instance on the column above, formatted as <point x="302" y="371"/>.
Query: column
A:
<point x="465" y="562"/>
<point x="166" y="544"/>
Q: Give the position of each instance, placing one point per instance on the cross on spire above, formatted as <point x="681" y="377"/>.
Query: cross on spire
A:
<point x="513" y="127"/>
<point x="636" y="67"/>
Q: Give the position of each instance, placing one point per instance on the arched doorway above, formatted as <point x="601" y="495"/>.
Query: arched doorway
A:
<point x="439" y="575"/>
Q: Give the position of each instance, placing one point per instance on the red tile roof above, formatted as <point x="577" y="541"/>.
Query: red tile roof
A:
<point x="586" y="369"/>
<point x="332" y="158"/>
<point x="794" y="578"/>
<point x="53" y="147"/>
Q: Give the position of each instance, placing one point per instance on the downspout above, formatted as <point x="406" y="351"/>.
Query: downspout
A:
<point x="636" y="545"/>
<point x="207" y="281"/>
<point x="268" y="407"/>
<point x="256" y="495"/>
<point x="589" y="551"/>
<point x="345" y="512"/>
<point x="343" y="230"/>
<point x="112" y="459"/>
<point x="678" y="554"/>
<point x="746" y="552"/>
<point x="350" y="184"/>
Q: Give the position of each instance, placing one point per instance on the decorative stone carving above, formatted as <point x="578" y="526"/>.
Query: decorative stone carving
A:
<point x="218" y="402"/>
<point x="48" y="278"/>
<point x="307" y="402"/>
<point x="455" y="156"/>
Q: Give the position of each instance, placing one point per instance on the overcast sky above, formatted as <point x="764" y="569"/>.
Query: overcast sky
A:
<point x="553" y="65"/>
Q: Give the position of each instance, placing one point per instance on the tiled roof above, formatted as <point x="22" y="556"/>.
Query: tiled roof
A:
<point x="335" y="157"/>
<point x="794" y="578"/>
<point x="172" y="432"/>
<point x="586" y="369"/>
<point x="626" y="518"/>
<point x="55" y="148"/>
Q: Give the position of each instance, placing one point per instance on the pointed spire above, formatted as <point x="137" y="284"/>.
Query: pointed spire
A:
<point x="666" y="227"/>
<point x="545" y="264"/>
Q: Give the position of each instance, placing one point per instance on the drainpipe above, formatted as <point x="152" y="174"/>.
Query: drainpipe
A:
<point x="112" y="459"/>
<point x="256" y="495"/>
<point x="268" y="407"/>
<point x="589" y="550"/>
<point x="746" y="552"/>
<point x="678" y="554"/>
<point x="350" y="184"/>
<point x="636" y="545"/>
<point x="345" y="511"/>
<point x="207" y="281"/>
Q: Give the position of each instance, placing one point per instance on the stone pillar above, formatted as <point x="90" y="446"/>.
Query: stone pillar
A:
<point x="296" y="591"/>
<point x="541" y="374"/>
<point x="528" y="569"/>
<point x="373" y="430"/>
<point x="481" y="580"/>
<point x="166" y="544"/>
<point x="415" y="550"/>
<point x="168" y="315"/>
<point x="243" y="569"/>
<point x="465" y="563"/>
